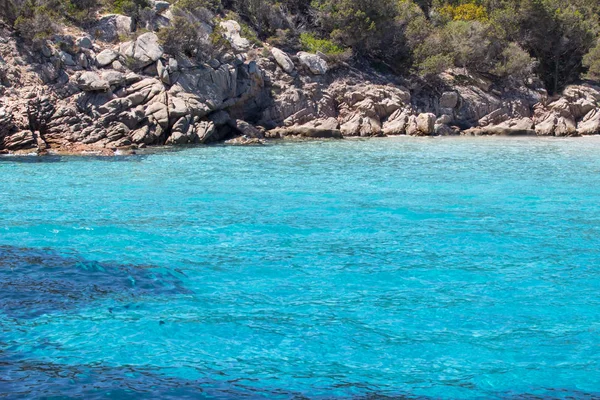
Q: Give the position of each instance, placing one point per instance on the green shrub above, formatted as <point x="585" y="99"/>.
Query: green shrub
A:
<point x="592" y="62"/>
<point x="194" y="5"/>
<point x="313" y="44"/>
<point x="514" y="62"/>
<point x="435" y="64"/>
<point x="126" y="7"/>
<point x="36" y="22"/>
<point x="284" y="39"/>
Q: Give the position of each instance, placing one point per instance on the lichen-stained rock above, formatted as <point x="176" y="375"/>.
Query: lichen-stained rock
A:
<point x="160" y="6"/>
<point x="231" y="31"/>
<point x="205" y="132"/>
<point x="84" y="42"/>
<point x="283" y="60"/>
<point x="163" y="73"/>
<point x="511" y="127"/>
<point x="565" y="127"/>
<point x="245" y="128"/>
<point x="106" y="57"/>
<point x="90" y="81"/>
<point x="590" y="124"/>
<point x="313" y="62"/>
<point x="115" y="78"/>
<point x="142" y="51"/>
<point x="475" y="104"/>
<point x="109" y="27"/>
<point x="361" y="125"/>
<point x="20" y="141"/>
<point x="396" y="123"/>
<point x="545" y="123"/>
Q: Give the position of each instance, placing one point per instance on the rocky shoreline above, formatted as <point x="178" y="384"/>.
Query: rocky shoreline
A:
<point x="80" y="92"/>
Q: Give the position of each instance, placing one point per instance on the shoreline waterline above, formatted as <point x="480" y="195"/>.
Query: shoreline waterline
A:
<point x="149" y="150"/>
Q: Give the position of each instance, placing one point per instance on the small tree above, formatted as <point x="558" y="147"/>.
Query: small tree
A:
<point x="592" y="62"/>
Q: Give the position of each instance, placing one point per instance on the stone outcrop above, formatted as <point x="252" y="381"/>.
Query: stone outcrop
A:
<point x="313" y="63"/>
<point x="141" y="52"/>
<point x="109" y="27"/>
<point x="283" y="60"/>
<point x="101" y="97"/>
<point x="232" y="32"/>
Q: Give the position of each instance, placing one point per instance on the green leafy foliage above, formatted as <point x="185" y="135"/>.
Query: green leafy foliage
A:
<point x="556" y="40"/>
<point x="592" y="62"/>
<point x="313" y="44"/>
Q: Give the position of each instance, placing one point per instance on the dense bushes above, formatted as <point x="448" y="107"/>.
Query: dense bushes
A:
<point x="592" y="62"/>
<point x="559" y="40"/>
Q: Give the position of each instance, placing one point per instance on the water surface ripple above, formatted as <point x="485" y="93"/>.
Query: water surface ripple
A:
<point x="402" y="268"/>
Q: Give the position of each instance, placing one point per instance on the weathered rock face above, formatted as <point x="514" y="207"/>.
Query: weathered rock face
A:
<point x="283" y="60"/>
<point x="91" y="81"/>
<point x="313" y="62"/>
<point x="109" y="27"/>
<point x="232" y="32"/>
<point x="321" y="128"/>
<point x="421" y="125"/>
<point x="143" y="51"/>
<point x="106" y="57"/>
<point x="590" y="124"/>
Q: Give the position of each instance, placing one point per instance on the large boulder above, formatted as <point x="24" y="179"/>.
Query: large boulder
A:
<point x="160" y="6"/>
<point x="85" y="42"/>
<point x="449" y="100"/>
<point x="283" y="60"/>
<point x="396" y="123"/>
<point x="421" y="125"/>
<point x="361" y="125"/>
<point x="20" y="141"/>
<point x="555" y="120"/>
<point x="313" y="62"/>
<point x="114" y="78"/>
<point x="90" y="81"/>
<point x="66" y="59"/>
<point x="232" y="32"/>
<point x="245" y="128"/>
<point x="326" y="128"/>
<point x="143" y="51"/>
<point x="590" y="125"/>
<point x="511" y="127"/>
<point x="106" y="57"/>
<point x="110" y="27"/>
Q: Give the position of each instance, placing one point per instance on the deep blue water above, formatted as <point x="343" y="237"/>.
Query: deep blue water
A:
<point x="418" y="268"/>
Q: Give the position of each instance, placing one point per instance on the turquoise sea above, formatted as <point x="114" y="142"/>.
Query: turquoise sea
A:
<point x="383" y="268"/>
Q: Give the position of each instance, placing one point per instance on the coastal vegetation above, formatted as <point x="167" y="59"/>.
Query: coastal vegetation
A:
<point x="557" y="40"/>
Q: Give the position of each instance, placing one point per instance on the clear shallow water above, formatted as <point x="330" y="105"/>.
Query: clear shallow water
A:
<point x="437" y="268"/>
